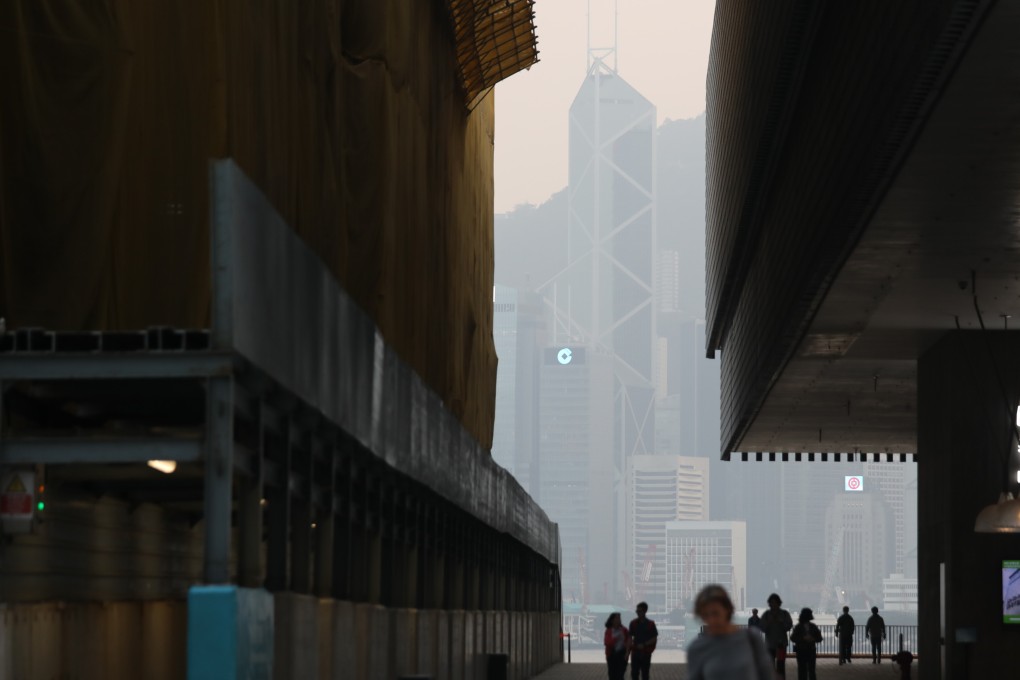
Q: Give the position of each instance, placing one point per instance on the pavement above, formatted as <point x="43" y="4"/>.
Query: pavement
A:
<point x="828" y="669"/>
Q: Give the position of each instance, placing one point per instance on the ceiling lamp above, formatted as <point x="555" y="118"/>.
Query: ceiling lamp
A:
<point x="164" y="466"/>
<point x="1000" y="518"/>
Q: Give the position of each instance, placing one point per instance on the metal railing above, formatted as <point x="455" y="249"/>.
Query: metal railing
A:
<point x="829" y="646"/>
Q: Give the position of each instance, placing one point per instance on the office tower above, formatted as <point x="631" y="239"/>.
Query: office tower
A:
<point x="699" y="553"/>
<point x="896" y="483"/>
<point x="661" y="489"/>
<point x="899" y="593"/>
<point x="603" y="296"/>
<point x="518" y="334"/>
<point x="577" y="470"/>
<point x="859" y="548"/>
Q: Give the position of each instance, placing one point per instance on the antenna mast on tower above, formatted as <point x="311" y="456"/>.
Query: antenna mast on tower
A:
<point x="600" y="55"/>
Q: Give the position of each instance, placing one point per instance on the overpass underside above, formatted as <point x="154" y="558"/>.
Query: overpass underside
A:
<point x="863" y="280"/>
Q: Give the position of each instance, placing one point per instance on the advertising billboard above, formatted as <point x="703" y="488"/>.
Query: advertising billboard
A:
<point x="1011" y="591"/>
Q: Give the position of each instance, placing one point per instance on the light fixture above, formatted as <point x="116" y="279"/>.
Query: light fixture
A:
<point x="164" y="466"/>
<point x="1000" y="518"/>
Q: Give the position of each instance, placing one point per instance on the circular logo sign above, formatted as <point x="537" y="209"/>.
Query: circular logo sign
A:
<point x="565" y="356"/>
<point x="855" y="483"/>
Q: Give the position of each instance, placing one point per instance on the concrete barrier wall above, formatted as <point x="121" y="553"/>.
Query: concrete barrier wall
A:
<point x="329" y="640"/>
<point x="315" y="638"/>
<point x="93" y="641"/>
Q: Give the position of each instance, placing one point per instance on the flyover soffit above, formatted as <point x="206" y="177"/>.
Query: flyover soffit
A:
<point x="953" y="209"/>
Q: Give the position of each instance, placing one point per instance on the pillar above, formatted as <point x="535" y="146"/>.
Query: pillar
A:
<point x="963" y="436"/>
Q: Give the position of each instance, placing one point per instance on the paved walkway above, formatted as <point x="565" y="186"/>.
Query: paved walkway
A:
<point x="828" y="669"/>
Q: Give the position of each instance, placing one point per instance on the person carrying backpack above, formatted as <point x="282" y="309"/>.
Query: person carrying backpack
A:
<point x="805" y="638"/>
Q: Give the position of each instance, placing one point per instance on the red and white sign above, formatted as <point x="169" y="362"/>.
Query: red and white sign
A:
<point x="853" y="483"/>
<point x="17" y="495"/>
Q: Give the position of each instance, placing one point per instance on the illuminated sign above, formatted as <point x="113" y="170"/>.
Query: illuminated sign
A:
<point x="853" y="483"/>
<point x="564" y="356"/>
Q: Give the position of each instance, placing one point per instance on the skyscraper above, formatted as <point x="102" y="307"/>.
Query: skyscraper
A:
<point x="661" y="489"/>
<point x="603" y="299"/>
<point x="518" y="333"/>
<point x="857" y="533"/>
<point x="577" y="472"/>
<point x="699" y="553"/>
<point x="896" y="483"/>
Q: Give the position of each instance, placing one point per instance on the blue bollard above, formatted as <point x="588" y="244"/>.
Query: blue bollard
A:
<point x="230" y="633"/>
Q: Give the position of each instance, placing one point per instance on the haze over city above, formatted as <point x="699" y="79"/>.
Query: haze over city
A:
<point x="608" y="411"/>
<point x="509" y="339"/>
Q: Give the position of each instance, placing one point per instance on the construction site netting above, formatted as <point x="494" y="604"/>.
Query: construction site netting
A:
<point x="495" y="39"/>
<point x="348" y="114"/>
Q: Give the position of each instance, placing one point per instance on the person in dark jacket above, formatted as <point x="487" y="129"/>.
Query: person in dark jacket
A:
<point x="875" y="630"/>
<point x="643" y="636"/>
<point x="775" y="624"/>
<point x="805" y="638"/>
<point x="845" y="633"/>
<point x="754" y="621"/>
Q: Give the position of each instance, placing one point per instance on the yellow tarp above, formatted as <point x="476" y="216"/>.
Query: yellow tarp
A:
<point x="347" y="113"/>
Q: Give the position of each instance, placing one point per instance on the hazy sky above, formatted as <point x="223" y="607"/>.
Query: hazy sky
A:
<point x="663" y="52"/>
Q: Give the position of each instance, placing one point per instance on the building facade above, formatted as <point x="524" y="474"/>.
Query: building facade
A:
<point x="660" y="490"/>
<point x="899" y="593"/>
<point x="699" y="553"/>
<point x="857" y="532"/>
<point x="578" y="481"/>
<point x="518" y="334"/>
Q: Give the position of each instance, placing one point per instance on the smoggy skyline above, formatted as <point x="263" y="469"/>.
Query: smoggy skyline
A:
<point x="663" y="50"/>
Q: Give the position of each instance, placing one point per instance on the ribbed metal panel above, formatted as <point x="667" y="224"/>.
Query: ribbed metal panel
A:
<point x="800" y="148"/>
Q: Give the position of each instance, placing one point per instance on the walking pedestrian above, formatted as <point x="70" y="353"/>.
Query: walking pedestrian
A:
<point x="617" y="641"/>
<point x="875" y="630"/>
<point x="845" y="633"/>
<point x="776" y="623"/>
<point x="754" y="621"/>
<point x="643" y="636"/>
<point x="724" y="651"/>
<point x="805" y="637"/>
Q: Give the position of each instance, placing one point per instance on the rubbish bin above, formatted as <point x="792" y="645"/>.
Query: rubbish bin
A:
<point x="499" y="667"/>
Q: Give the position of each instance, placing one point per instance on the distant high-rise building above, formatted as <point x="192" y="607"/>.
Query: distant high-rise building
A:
<point x="857" y="528"/>
<point x="504" y="336"/>
<point x="899" y="593"/>
<point x="603" y="299"/>
<point x="804" y="493"/>
<point x="518" y="334"/>
<point x="661" y="489"/>
<point x="577" y="469"/>
<point x="668" y="297"/>
<point x="897" y="485"/>
<point x="699" y="553"/>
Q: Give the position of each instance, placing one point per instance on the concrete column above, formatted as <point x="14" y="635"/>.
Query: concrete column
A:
<point x="249" y="513"/>
<point x="279" y="517"/>
<point x="963" y="436"/>
<point x="219" y="477"/>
